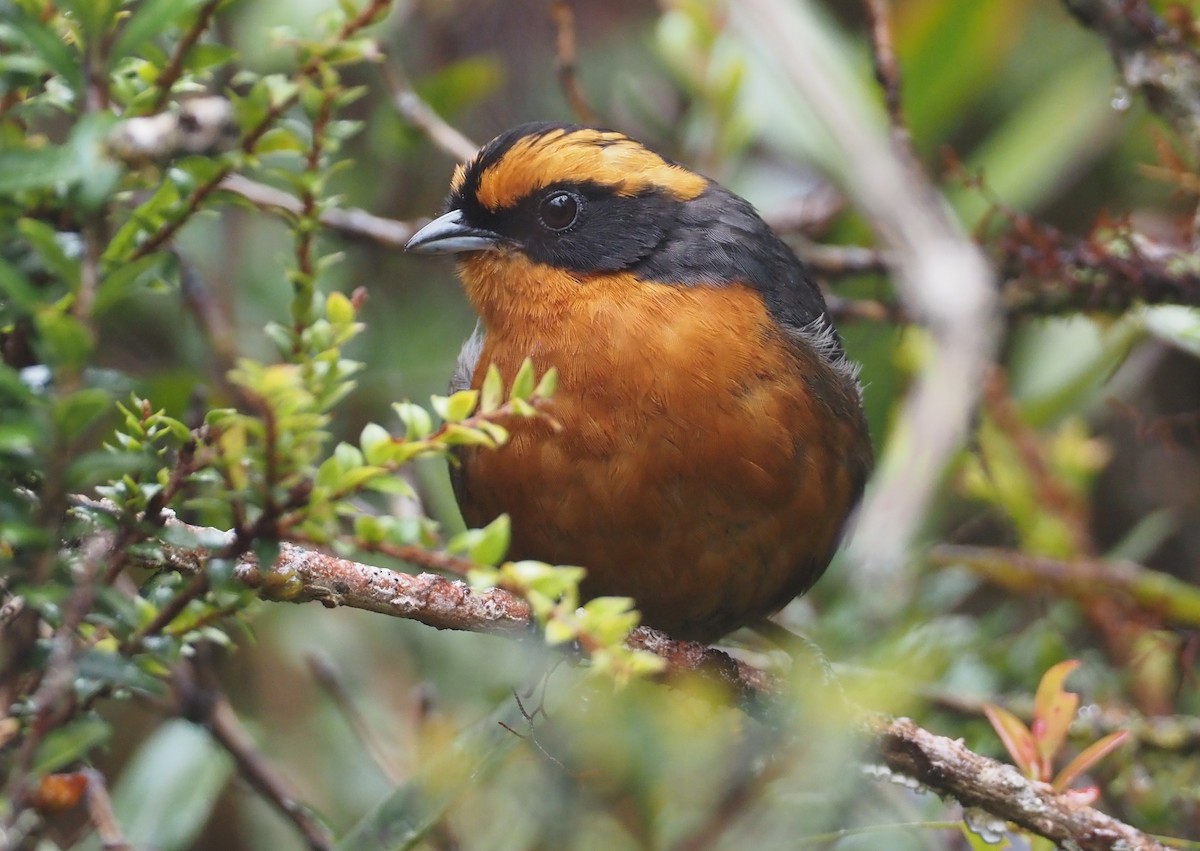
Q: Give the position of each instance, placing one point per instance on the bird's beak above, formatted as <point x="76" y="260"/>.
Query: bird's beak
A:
<point x="448" y="234"/>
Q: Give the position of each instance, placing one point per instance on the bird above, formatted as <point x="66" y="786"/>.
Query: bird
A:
<point x="709" y="440"/>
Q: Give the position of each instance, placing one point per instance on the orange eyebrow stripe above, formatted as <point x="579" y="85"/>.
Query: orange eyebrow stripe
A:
<point x="609" y="159"/>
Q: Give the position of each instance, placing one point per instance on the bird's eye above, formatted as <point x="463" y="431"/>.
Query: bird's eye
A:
<point x="559" y="210"/>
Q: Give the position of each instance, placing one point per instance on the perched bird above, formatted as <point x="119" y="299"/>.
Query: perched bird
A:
<point x="712" y="436"/>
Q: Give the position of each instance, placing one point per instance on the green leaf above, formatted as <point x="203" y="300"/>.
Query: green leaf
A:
<point x="16" y="289"/>
<point x="457" y="407"/>
<point x="376" y="444"/>
<point x="1175" y="324"/>
<point x="51" y="247"/>
<point x="522" y="386"/>
<point x="406" y="815"/>
<point x="150" y="20"/>
<point x="118" y="284"/>
<point x="62" y="339"/>
<point x="167" y="792"/>
<point x="417" y="422"/>
<point x="547" y="385"/>
<point x="490" y="543"/>
<point x="95" y="15"/>
<point x="116" y="670"/>
<point x="34" y="168"/>
<point x="80" y="410"/>
<point x="492" y="393"/>
<point x="70" y="743"/>
<point x="48" y="45"/>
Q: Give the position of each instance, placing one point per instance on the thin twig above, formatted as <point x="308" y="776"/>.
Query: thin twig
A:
<point x="348" y="222"/>
<point x="565" y="63"/>
<point x="887" y="72"/>
<point x="101" y="813"/>
<point x="421" y="115"/>
<point x="326" y="675"/>
<point x="212" y="709"/>
<point x="1168" y="600"/>
<point x="175" y="66"/>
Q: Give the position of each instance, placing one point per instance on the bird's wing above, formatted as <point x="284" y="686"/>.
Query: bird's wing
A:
<point x="468" y="359"/>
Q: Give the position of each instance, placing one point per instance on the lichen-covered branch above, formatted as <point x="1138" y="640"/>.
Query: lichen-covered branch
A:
<point x="943" y="765"/>
<point x="949" y="768"/>
<point x="1150" y="57"/>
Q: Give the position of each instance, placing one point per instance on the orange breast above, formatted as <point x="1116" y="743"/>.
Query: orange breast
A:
<point x="706" y="462"/>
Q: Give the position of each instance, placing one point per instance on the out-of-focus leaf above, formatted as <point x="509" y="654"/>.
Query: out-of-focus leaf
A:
<point x="150" y="19"/>
<point x="1088" y="757"/>
<point x="950" y="53"/>
<point x="16" y="288"/>
<point x="1016" y="737"/>
<point x="72" y="742"/>
<point x="401" y="820"/>
<point x="1053" y="710"/>
<point x="166" y="793"/>
<point x="1041" y="145"/>
<point x="48" y="45"/>
<point x="1175" y="324"/>
<point x="116" y="670"/>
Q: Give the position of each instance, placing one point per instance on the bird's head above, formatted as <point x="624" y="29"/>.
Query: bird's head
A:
<point x="545" y="209"/>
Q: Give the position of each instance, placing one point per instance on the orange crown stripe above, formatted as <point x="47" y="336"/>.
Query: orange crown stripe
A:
<point x="609" y="159"/>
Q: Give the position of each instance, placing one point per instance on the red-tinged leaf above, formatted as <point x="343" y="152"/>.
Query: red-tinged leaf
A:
<point x="1088" y="757"/>
<point x="1053" y="710"/>
<point x="58" y="792"/>
<point x="1016" y="738"/>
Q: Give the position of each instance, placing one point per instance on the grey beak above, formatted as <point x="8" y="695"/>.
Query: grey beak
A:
<point x="448" y="234"/>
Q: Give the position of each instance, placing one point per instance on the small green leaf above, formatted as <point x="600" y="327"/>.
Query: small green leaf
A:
<point x="417" y="422"/>
<point x="459" y="406"/>
<point x="339" y="309"/>
<point x="492" y="542"/>
<point x="150" y="20"/>
<point x="62" y="339"/>
<point x="560" y="632"/>
<point x="70" y="743"/>
<point x="547" y="385"/>
<point x="51" y="247"/>
<point x="48" y="44"/>
<point x="16" y="289"/>
<point x="376" y="444"/>
<point x="492" y="393"/>
<point x="522" y="386"/>
<point x="168" y="790"/>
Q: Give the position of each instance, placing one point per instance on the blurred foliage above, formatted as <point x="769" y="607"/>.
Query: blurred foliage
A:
<point x="134" y="294"/>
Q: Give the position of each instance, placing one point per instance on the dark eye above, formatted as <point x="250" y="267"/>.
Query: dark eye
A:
<point x="559" y="210"/>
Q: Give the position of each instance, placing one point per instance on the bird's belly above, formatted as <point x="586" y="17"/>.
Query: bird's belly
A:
<point x="710" y="493"/>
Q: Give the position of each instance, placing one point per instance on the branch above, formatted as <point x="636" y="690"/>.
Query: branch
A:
<point x="1167" y="598"/>
<point x="349" y="222"/>
<point x="413" y="109"/>
<point x="564" y="54"/>
<point x="1150" y="57"/>
<point x="300" y="575"/>
<point x="947" y="767"/>
<point x="212" y="709"/>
